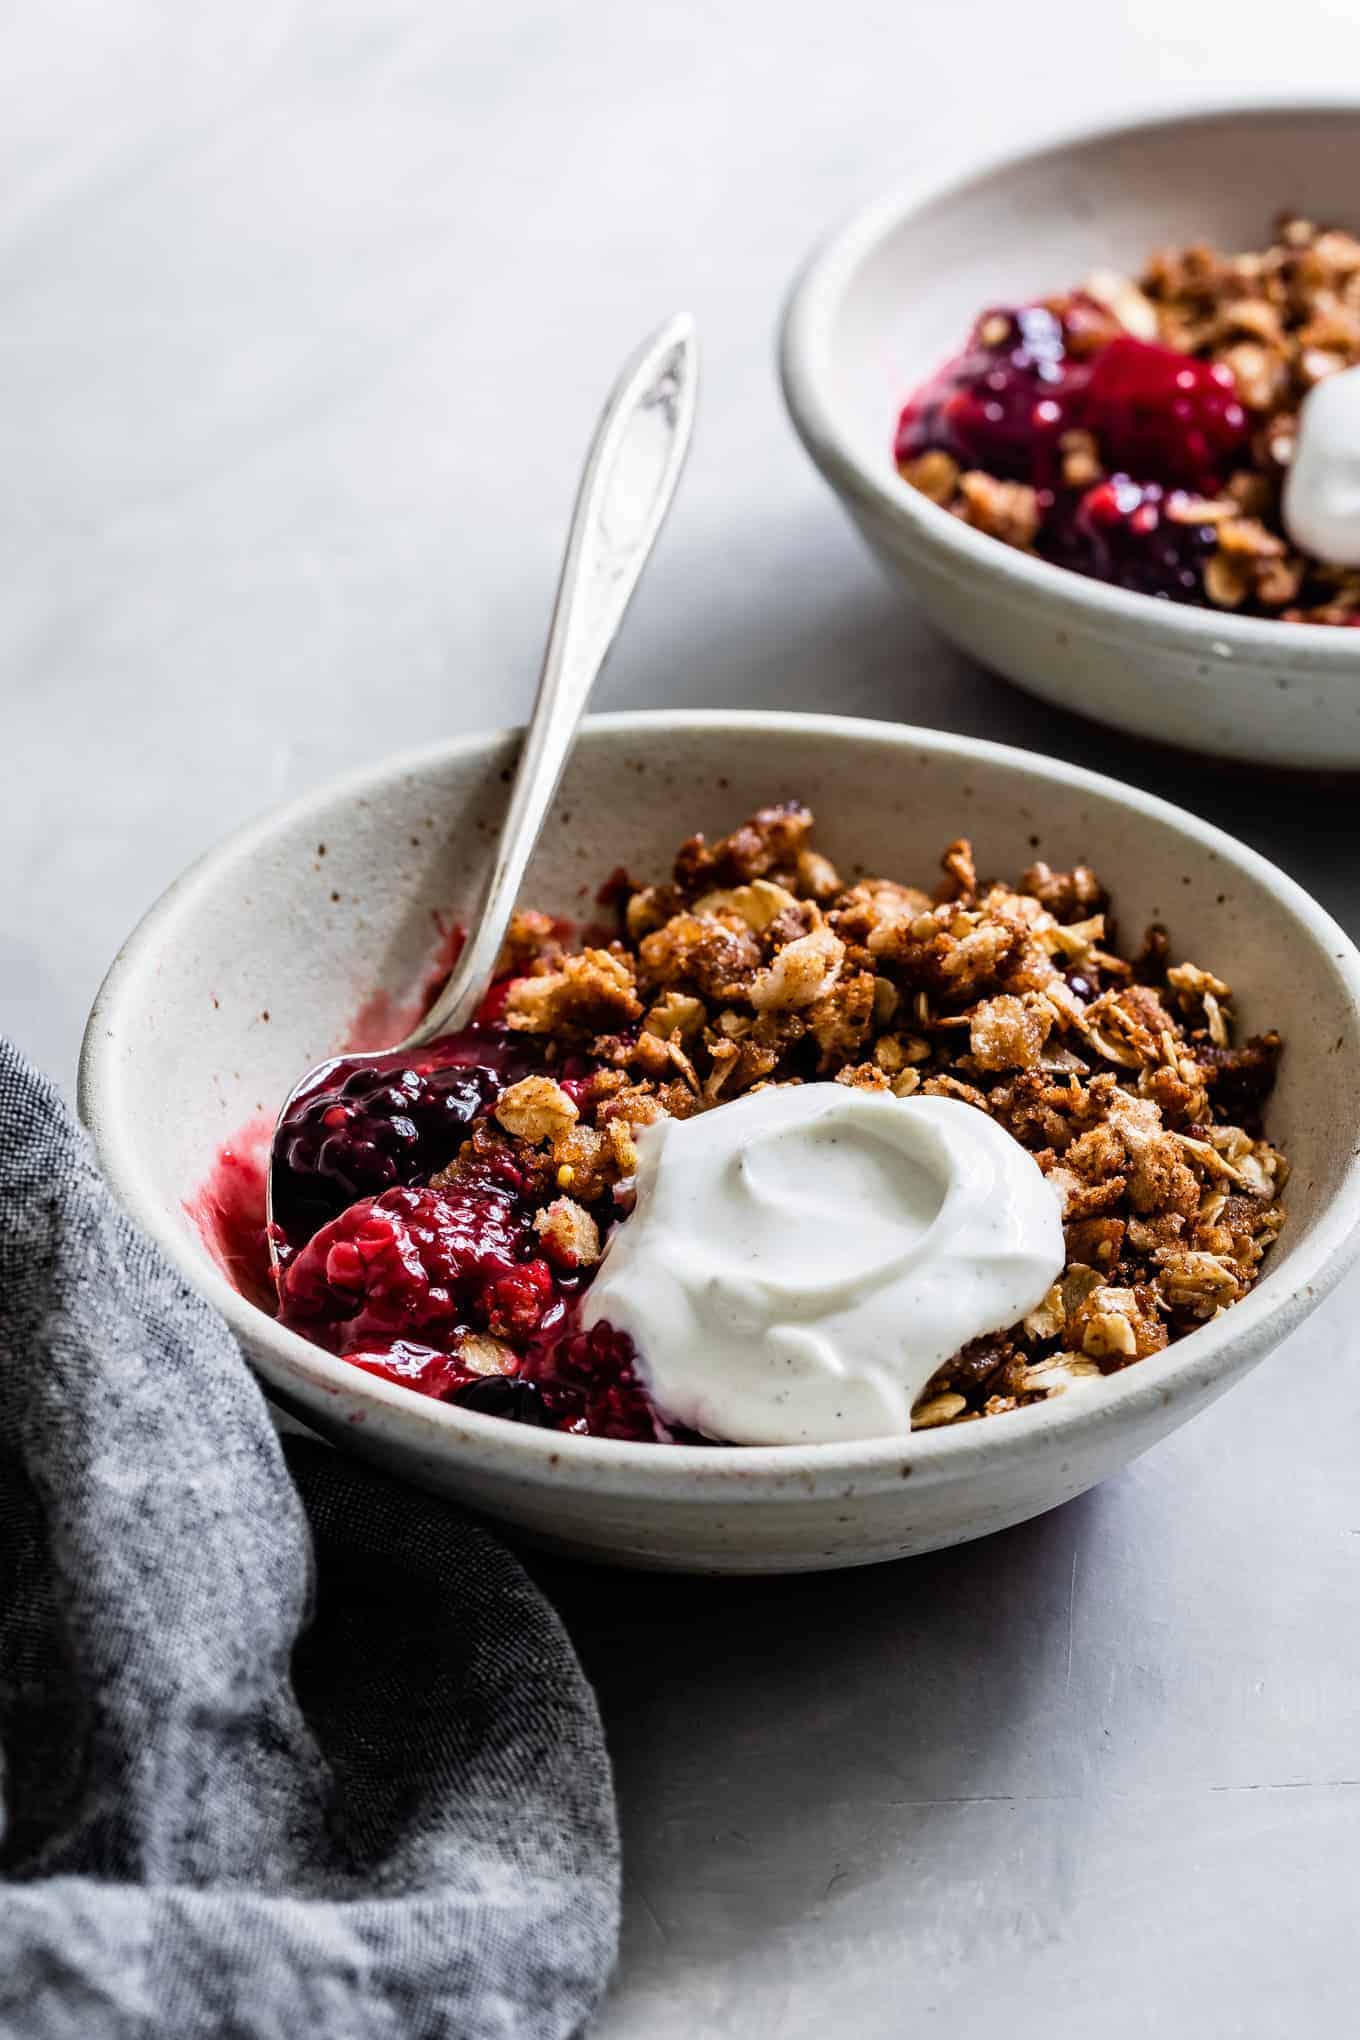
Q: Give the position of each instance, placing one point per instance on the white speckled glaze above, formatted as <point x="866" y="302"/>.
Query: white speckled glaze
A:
<point x="893" y="294"/>
<point x="177" y="1057"/>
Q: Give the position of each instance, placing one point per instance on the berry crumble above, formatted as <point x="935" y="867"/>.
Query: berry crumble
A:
<point x="1141" y="432"/>
<point x="444" y="1211"/>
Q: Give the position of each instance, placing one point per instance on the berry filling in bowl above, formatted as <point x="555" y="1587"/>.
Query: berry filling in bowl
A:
<point x="759" y="1061"/>
<point x="1142" y="433"/>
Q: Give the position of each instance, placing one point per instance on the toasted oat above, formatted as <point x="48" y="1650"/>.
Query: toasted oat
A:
<point x="479" y="1353"/>
<point x="1192" y="982"/>
<point x="802" y="971"/>
<point x="941" y="1409"/>
<point x="818" y="878"/>
<point x="676" y="1013"/>
<point x="1135" y="312"/>
<point x="1081" y="463"/>
<point x="758" y="904"/>
<point x="1005" y="510"/>
<point x="935" y="474"/>
<point x="1109" y="1335"/>
<point x="536" y="1108"/>
<point x="593" y="990"/>
<point x="569" y="1233"/>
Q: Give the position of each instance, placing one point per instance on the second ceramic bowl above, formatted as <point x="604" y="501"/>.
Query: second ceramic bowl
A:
<point x="251" y="967"/>
<point x="894" y="293"/>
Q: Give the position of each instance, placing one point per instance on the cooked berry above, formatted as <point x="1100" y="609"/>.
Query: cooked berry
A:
<point x="1201" y="374"/>
<point x="513" y="1305"/>
<point x="426" y="1369"/>
<point x="1121" y="531"/>
<point x="414" y="1261"/>
<point x="504" y="1395"/>
<point x="1003" y="402"/>
<point x="1162" y="415"/>
<point x="593" y="1374"/>
<point x="369" y="1126"/>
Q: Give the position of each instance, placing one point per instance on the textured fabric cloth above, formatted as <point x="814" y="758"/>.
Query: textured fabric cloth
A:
<point x="279" y="1756"/>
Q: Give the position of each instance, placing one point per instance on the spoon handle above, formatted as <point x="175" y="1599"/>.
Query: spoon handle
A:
<point x="630" y="476"/>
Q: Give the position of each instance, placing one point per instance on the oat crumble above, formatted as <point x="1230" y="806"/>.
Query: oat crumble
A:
<point x="755" y="964"/>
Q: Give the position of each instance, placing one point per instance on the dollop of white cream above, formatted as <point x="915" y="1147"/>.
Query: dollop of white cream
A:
<point x="799" y="1262"/>
<point x="1321" y="503"/>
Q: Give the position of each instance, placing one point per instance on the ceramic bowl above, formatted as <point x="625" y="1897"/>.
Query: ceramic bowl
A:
<point x="252" y="966"/>
<point x="894" y="293"/>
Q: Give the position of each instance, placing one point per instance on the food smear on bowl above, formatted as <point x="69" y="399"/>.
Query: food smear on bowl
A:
<point x="1142" y="433"/>
<point x="736" y="1046"/>
<point x="228" y="1211"/>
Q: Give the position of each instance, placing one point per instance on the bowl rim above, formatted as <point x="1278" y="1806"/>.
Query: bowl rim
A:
<point x="803" y="348"/>
<point x="1196" y="1365"/>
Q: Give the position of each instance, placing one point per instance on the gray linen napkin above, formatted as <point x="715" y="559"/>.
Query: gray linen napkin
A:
<point x="285" y="1750"/>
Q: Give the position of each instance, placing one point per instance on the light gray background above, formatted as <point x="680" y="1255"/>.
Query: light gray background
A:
<point x="306" y="310"/>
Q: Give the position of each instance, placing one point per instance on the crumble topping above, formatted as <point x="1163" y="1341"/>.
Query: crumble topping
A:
<point x="755" y="964"/>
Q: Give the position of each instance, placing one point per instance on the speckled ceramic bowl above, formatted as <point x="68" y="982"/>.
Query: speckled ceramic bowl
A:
<point x="251" y="966"/>
<point x="894" y="293"/>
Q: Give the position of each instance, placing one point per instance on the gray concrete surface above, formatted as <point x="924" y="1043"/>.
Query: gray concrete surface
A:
<point x="306" y="311"/>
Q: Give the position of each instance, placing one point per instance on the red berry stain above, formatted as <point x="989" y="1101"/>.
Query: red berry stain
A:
<point x="228" y="1211"/>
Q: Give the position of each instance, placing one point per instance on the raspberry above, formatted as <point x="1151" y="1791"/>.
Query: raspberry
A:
<point x="591" y="1375"/>
<point x="414" y="1261"/>
<point x="514" y="1304"/>
<point x="1162" y="415"/>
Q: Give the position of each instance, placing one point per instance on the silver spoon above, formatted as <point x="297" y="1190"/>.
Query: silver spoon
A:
<point x="630" y="475"/>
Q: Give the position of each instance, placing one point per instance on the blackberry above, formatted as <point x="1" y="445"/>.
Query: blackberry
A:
<point x="505" y="1395"/>
<point x="372" y="1125"/>
<point x="1001" y="404"/>
<point x="1120" y="532"/>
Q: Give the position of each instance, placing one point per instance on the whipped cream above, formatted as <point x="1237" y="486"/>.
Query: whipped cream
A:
<point x="1322" y="488"/>
<point x="799" y="1262"/>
